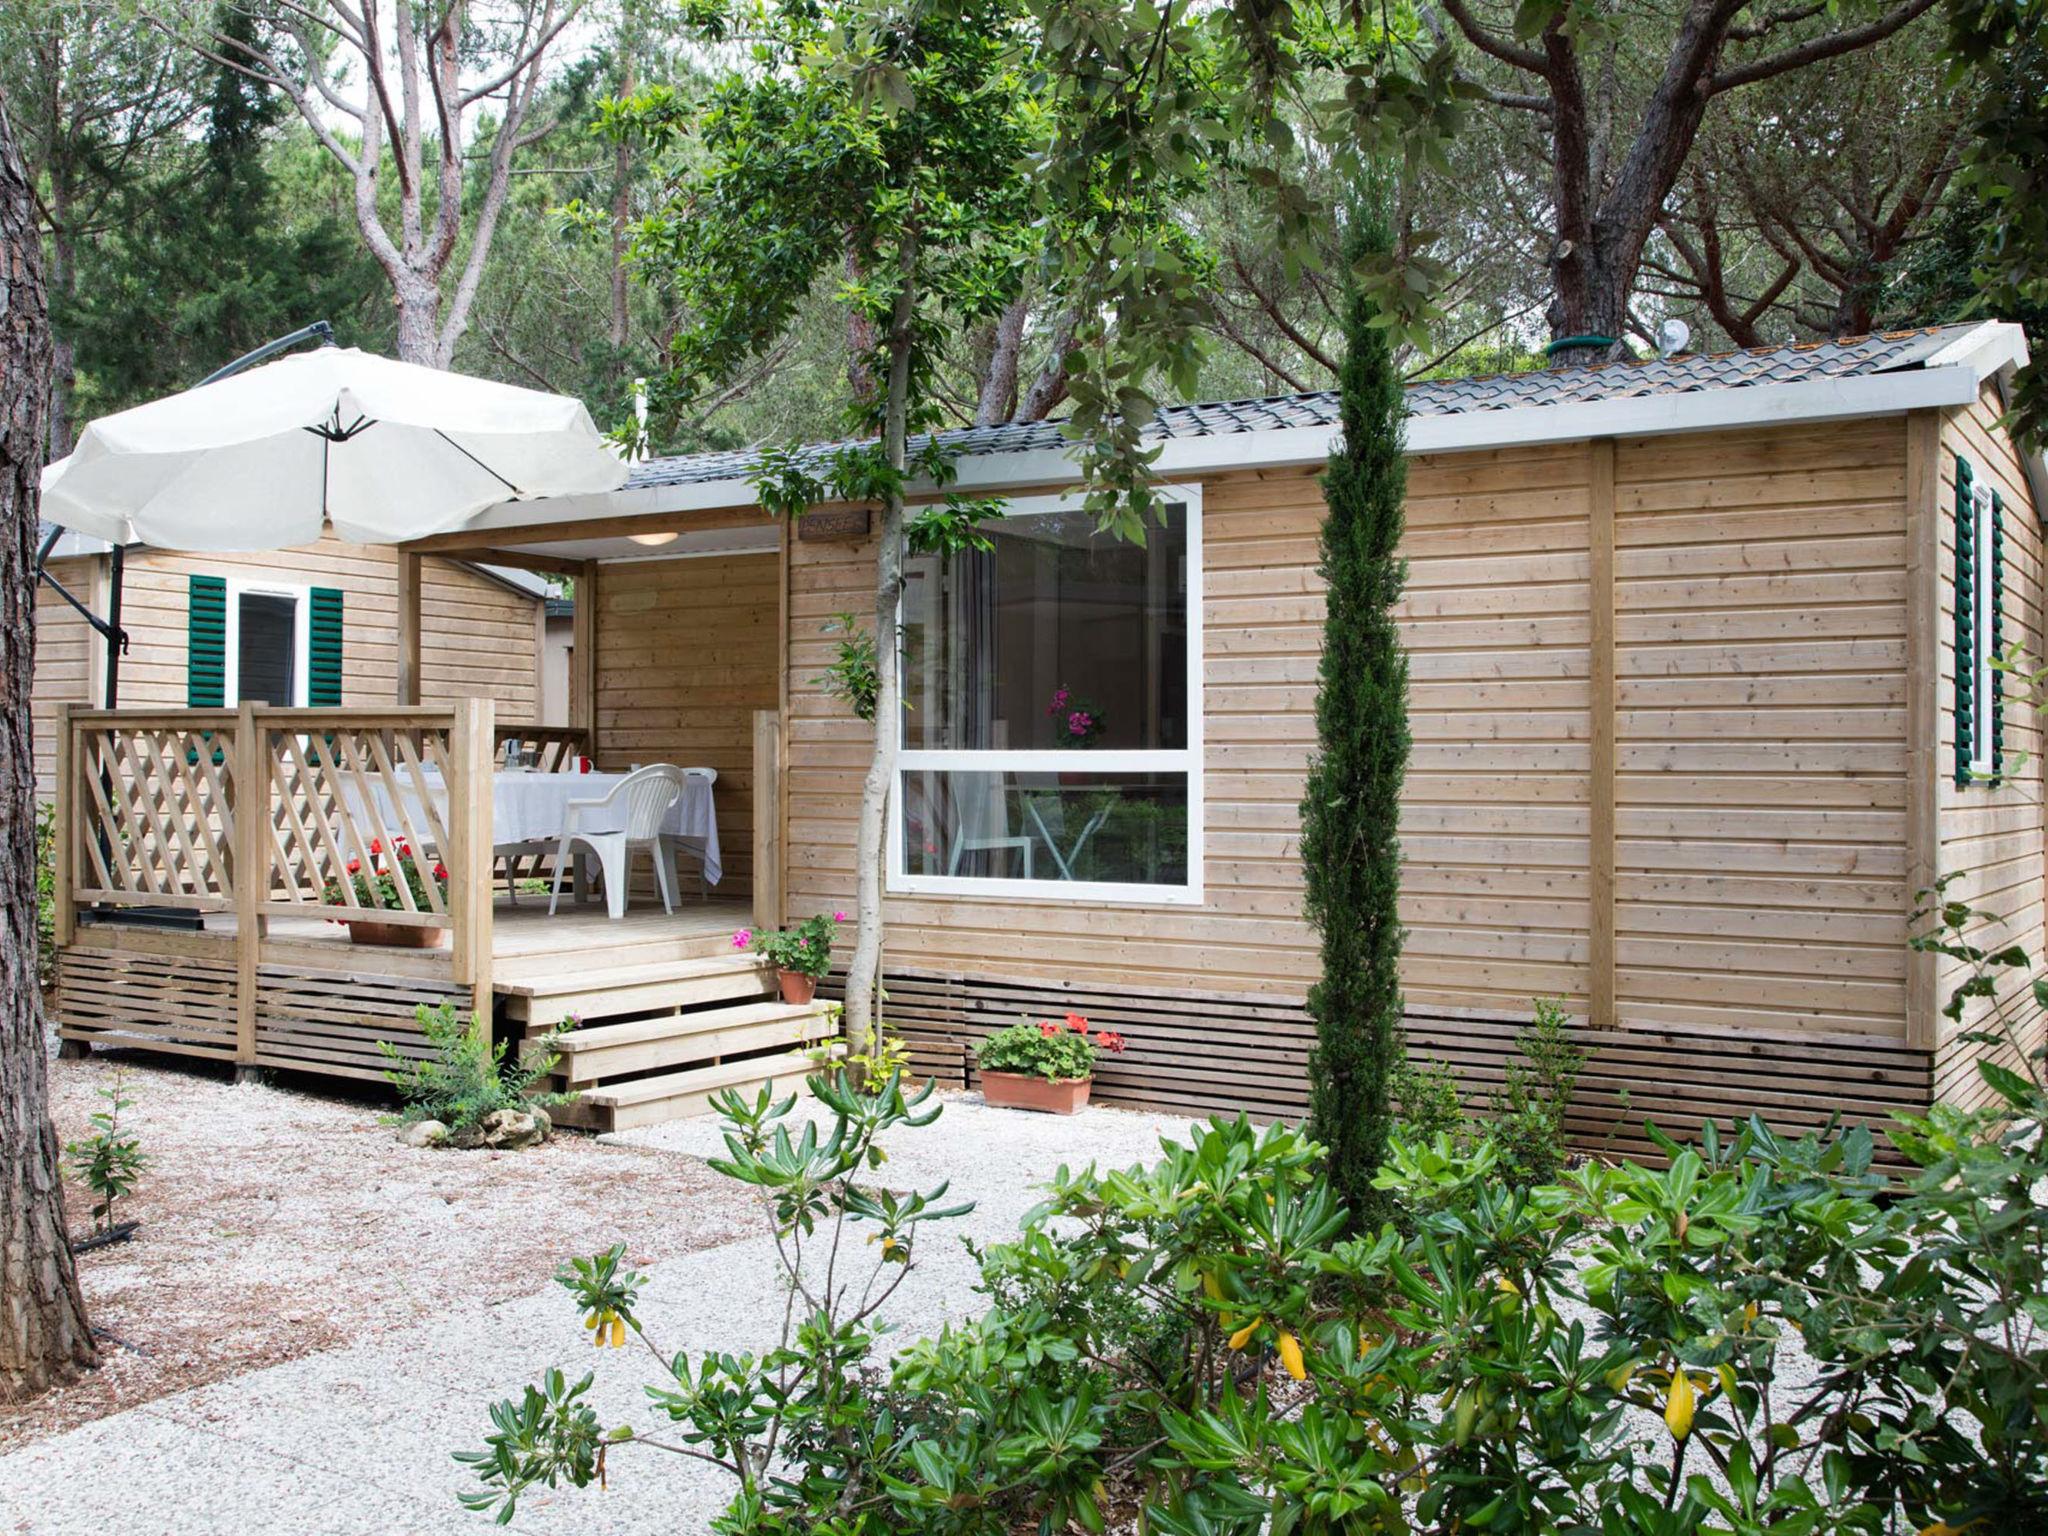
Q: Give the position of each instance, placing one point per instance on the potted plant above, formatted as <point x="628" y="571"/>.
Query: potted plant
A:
<point x="377" y="887"/>
<point x="1076" y="724"/>
<point x="1043" y="1065"/>
<point x="800" y="955"/>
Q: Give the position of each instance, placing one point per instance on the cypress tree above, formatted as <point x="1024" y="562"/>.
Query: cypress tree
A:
<point x="1350" y="838"/>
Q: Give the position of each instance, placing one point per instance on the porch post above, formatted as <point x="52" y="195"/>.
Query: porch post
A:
<point x="583" y="658"/>
<point x="249" y="874"/>
<point x="409" y="577"/>
<point x="470" y="739"/>
<point x="767" y="819"/>
<point x="63" y="831"/>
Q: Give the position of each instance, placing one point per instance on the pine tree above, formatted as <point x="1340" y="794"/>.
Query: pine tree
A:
<point x="1350" y="839"/>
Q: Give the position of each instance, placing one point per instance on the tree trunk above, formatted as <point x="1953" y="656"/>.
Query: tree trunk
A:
<point x="1591" y="299"/>
<point x="44" y="1338"/>
<point x="863" y="971"/>
<point x="998" y="401"/>
<point x="419" y="318"/>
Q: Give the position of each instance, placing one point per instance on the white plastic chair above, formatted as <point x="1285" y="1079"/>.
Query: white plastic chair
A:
<point x="671" y="845"/>
<point x="628" y="817"/>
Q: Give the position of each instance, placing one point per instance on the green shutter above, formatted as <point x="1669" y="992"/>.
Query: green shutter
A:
<point x="1978" y="721"/>
<point x="206" y="642"/>
<point x="1966" y="609"/>
<point x="323" y="673"/>
<point x="1995" y="574"/>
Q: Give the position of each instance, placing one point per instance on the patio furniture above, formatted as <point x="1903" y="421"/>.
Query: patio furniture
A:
<point x="980" y="806"/>
<point x="630" y="815"/>
<point x="1032" y="790"/>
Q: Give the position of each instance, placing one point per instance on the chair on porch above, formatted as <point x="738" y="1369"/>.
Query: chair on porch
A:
<point x="630" y="816"/>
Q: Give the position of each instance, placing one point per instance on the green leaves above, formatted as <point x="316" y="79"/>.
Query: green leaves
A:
<point x="546" y="1437"/>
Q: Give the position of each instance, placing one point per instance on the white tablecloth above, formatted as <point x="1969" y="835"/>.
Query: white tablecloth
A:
<point x="531" y="807"/>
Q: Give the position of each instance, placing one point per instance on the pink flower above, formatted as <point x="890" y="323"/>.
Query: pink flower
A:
<point x="1080" y="722"/>
<point x="743" y="938"/>
<point x="838" y="917"/>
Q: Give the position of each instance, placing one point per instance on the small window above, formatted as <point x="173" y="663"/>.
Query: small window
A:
<point x="1051" y="723"/>
<point x="267" y="635"/>
<point x="267" y="649"/>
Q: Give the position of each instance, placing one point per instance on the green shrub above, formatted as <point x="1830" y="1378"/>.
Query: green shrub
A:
<point x="1427" y="1101"/>
<point x="1525" y="1119"/>
<point x="467" y="1077"/>
<point x="1762" y="1336"/>
<point x="110" y="1161"/>
<point x="1528" y="1114"/>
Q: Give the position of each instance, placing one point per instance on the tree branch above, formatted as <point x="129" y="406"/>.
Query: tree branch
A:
<point x="1833" y="45"/>
<point x="1493" y="45"/>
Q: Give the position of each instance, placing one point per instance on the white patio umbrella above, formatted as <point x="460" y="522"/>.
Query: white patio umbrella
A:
<point x="386" y="451"/>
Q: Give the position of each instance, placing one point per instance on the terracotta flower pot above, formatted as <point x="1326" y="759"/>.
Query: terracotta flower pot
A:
<point x="394" y="935"/>
<point x="796" y="986"/>
<point x="1023" y="1090"/>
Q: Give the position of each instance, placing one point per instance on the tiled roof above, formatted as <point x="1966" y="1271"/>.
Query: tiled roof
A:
<point x="1790" y="364"/>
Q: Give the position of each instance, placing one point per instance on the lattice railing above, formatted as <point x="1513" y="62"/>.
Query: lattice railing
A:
<point x="555" y="747"/>
<point x="154" y="817"/>
<point x="154" y="798"/>
<point x="350" y="800"/>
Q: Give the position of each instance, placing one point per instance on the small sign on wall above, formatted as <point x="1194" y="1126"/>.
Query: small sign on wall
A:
<point x="834" y="524"/>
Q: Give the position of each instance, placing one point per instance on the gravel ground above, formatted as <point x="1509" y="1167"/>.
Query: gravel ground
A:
<point x="354" y="1435"/>
<point x="277" y="1224"/>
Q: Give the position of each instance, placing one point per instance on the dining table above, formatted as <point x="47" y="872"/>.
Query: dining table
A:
<point x="529" y="808"/>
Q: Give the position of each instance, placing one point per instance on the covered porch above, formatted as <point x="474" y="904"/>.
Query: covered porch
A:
<point x="204" y="906"/>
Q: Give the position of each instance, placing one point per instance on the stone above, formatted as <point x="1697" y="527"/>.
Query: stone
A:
<point x="509" y="1130"/>
<point x="423" y="1133"/>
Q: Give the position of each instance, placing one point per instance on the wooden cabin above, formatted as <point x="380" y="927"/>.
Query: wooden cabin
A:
<point x="1696" y="708"/>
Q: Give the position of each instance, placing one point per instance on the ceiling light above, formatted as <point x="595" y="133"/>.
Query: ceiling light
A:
<point x="651" y="540"/>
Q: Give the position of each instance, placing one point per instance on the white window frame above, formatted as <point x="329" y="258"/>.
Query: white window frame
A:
<point x="302" y="635"/>
<point x="1983" y="594"/>
<point x="1185" y="760"/>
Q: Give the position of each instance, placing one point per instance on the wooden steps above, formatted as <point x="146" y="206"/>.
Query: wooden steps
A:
<point x="542" y="1000"/>
<point x="611" y="1051"/>
<point x="673" y="1095"/>
<point x="655" y="1037"/>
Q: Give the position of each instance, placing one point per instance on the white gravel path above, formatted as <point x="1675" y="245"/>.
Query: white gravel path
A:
<point x="358" y="1440"/>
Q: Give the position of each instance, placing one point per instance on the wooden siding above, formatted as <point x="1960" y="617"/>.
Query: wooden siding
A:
<point x="480" y="640"/>
<point x="66" y="666"/>
<point x="1992" y="835"/>
<point x="1761" y="697"/>
<point x="686" y="652"/>
<point x="1756" y="651"/>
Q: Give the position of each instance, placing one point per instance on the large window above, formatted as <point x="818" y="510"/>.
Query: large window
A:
<point x="1051" y="723"/>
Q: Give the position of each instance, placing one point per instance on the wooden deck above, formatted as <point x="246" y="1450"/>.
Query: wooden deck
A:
<point x="524" y="938"/>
